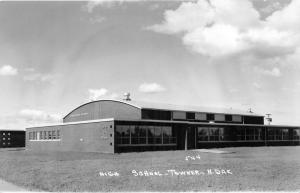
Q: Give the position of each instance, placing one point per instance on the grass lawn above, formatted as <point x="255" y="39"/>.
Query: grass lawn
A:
<point x="245" y="169"/>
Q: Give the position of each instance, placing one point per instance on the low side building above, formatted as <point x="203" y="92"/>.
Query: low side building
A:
<point x="12" y="138"/>
<point x="112" y="126"/>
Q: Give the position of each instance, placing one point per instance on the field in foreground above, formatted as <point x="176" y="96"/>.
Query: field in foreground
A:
<point x="245" y="169"/>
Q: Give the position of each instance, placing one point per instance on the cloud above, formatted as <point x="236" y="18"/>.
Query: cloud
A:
<point x="8" y="70"/>
<point x="96" y="94"/>
<point x="91" y="5"/>
<point x="151" y="88"/>
<point x="222" y="28"/>
<point x="273" y="72"/>
<point x="37" y="116"/>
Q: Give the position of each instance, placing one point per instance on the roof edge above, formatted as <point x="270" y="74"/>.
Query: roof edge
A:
<point x="120" y="101"/>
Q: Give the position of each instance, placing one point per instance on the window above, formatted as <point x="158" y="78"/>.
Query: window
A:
<point x="241" y="134"/>
<point x="49" y="135"/>
<point x="151" y="135"/>
<point x="167" y="135"/>
<point x="123" y="134"/>
<point x="219" y="117"/>
<point x="190" y="116"/>
<point x="53" y="134"/>
<point x="285" y="134"/>
<point x="203" y="133"/>
<point x="228" y="118"/>
<point x="249" y="133"/>
<point x="201" y="116"/>
<point x="156" y="114"/>
<point x="179" y="115"/>
<point x="58" y="134"/>
<point x="46" y="135"/>
<point x="8" y="133"/>
<point x="296" y="134"/>
<point x="222" y="135"/>
<point x="210" y="117"/>
<point x="158" y="135"/>
<point x="213" y="134"/>
<point x="278" y="134"/>
<point x="134" y="131"/>
<point x="41" y="135"/>
<point x="236" y="118"/>
<point x="143" y="135"/>
<point x="253" y="120"/>
<point x="34" y="135"/>
<point x="271" y="134"/>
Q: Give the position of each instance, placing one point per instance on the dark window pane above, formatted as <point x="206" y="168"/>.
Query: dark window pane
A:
<point x="190" y="115"/>
<point x="156" y="114"/>
<point x="253" y="120"/>
<point x="125" y="140"/>
<point x="158" y="140"/>
<point x="158" y="132"/>
<point x="134" y="131"/>
<point x="143" y="132"/>
<point x="210" y="117"/>
<point x="134" y="140"/>
<point x="142" y="140"/>
<point x="228" y="117"/>
<point x="203" y="133"/>
<point x="167" y="131"/>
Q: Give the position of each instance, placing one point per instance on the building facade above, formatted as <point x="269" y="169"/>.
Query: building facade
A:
<point x="12" y="138"/>
<point x="113" y="126"/>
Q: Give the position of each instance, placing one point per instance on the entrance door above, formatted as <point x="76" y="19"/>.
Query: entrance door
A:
<point x="191" y="137"/>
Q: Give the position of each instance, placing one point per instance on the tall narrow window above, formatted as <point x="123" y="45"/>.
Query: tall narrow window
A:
<point x="158" y="135"/>
<point x="53" y="134"/>
<point x="49" y="135"/>
<point x="151" y="135"/>
<point x="58" y="134"/>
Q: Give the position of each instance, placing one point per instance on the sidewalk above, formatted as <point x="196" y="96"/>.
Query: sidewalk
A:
<point x="9" y="187"/>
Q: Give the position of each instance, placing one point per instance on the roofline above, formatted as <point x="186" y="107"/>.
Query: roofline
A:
<point x="164" y="121"/>
<point x="73" y="123"/>
<point x="99" y="101"/>
<point x="11" y="130"/>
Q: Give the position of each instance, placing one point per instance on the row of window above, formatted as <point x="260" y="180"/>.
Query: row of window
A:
<point x="134" y="134"/>
<point x="44" y="135"/>
<point x="181" y="115"/>
<point x="4" y="133"/>
<point x="246" y="134"/>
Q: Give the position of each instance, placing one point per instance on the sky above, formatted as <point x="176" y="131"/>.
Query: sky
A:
<point x="241" y="54"/>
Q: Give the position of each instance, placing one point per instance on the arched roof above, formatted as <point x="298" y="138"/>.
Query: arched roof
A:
<point x="112" y="100"/>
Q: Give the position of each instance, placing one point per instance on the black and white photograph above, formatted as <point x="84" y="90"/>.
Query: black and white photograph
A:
<point x="150" y="96"/>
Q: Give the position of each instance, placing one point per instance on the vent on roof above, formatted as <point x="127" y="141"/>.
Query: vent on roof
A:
<point x="127" y="96"/>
